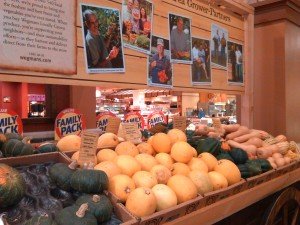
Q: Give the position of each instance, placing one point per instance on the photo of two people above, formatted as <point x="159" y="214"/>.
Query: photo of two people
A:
<point x="235" y="63"/>
<point x="219" y="37"/>
<point x="201" y="73"/>
<point x="102" y="39"/>
<point x="137" y="24"/>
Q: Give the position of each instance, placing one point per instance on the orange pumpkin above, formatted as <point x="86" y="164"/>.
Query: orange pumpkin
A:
<point x="121" y="186"/>
<point x="148" y="199"/>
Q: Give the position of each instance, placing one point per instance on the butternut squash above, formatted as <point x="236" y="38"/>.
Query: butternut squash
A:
<point x="240" y="132"/>
<point x="246" y="137"/>
<point x="263" y="153"/>
<point x="203" y="129"/>
<point x="280" y="162"/>
<point x="250" y="149"/>
<point x="264" y="135"/>
<point x="254" y="141"/>
<point x="231" y="128"/>
<point x="213" y="135"/>
<point x="273" y="148"/>
<point x="287" y="160"/>
<point x="283" y="147"/>
<point x="280" y="138"/>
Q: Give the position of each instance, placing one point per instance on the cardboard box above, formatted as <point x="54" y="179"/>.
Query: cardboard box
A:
<point x="259" y="179"/>
<point x="59" y="157"/>
<point x="215" y="196"/>
<point x="172" y="213"/>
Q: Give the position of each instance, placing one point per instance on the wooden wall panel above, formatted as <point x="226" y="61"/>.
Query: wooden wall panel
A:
<point x="136" y="63"/>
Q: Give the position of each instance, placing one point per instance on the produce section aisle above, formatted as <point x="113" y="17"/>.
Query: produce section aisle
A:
<point x="228" y="206"/>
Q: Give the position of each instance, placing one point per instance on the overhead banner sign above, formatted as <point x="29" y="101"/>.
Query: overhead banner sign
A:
<point x="155" y="118"/>
<point x="69" y="121"/>
<point x="10" y="122"/>
<point x="37" y="35"/>
<point x="102" y="120"/>
<point x="135" y="117"/>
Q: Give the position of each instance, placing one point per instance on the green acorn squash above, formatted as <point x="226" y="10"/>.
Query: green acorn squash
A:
<point x="60" y="174"/>
<point x="264" y="164"/>
<point x="74" y="215"/>
<point x="40" y="220"/>
<point x="12" y="186"/>
<point x="99" y="206"/>
<point x="15" y="147"/>
<point x="211" y="145"/>
<point x="224" y="155"/>
<point x="245" y="173"/>
<point x="47" y="147"/>
<point x="254" y="167"/>
<point x="13" y="136"/>
<point x="89" y="181"/>
<point x="238" y="155"/>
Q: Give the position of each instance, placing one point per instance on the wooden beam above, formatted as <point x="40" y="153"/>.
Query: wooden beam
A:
<point x="237" y="6"/>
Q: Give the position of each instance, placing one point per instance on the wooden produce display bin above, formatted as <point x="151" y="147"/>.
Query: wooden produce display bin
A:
<point x="215" y="196"/>
<point x="36" y="159"/>
<point x="239" y="201"/>
<point x="167" y="215"/>
<point x="59" y="157"/>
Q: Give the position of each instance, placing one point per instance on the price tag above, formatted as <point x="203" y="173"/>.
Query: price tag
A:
<point x="88" y="147"/>
<point x="179" y="122"/>
<point x="217" y="124"/>
<point x="113" y="124"/>
<point x="204" y="122"/>
<point x="132" y="132"/>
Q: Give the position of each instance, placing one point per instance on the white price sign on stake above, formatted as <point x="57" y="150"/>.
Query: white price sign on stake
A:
<point x="179" y="122"/>
<point x="217" y="124"/>
<point x="132" y="132"/>
<point x="113" y="124"/>
<point x="88" y="147"/>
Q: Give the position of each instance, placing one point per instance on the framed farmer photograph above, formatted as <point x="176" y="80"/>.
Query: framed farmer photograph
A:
<point x="180" y="39"/>
<point x="160" y="71"/>
<point x="201" y="69"/>
<point x="102" y="39"/>
<point x="218" y="46"/>
<point x="235" y="71"/>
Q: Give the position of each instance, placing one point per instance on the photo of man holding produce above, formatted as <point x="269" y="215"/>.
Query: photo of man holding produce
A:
<point x="159" y="66"/>
<point x="102" y="35"/>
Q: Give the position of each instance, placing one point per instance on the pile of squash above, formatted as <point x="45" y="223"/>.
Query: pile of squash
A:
<point x="92" y="207"/>
<point x="257" y="144"/>
<point x="156" y="171"/>
<point x="13" y="145"/>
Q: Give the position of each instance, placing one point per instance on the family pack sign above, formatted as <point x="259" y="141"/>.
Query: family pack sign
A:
<point x="135" y="117"/>
<point x="69" y="121"/>
<point x="155" y="118"/>
<point x="10" y="122"/>
<point x="103" y="119"/>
